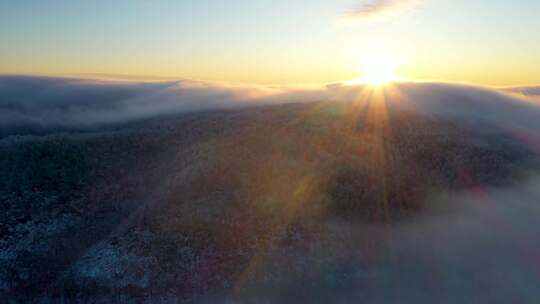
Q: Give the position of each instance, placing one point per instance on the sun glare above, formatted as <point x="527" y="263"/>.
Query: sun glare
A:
<point x="378" y="70"/>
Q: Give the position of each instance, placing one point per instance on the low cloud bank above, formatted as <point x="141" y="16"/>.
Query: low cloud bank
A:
<point x="472" y="105"/>
<point x="527" y="91"/>
<point x="54" y="102"/>
<point x="65" y="102"/>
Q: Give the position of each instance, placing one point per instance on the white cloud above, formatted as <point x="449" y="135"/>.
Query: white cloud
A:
<point x="379" y="8"/>
<point x="67" y="102"/>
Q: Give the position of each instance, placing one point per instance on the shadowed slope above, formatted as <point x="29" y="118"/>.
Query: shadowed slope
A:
<point x="240" y="203"/>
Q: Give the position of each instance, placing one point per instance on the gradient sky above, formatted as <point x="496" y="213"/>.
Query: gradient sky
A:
<point x="494" y="42"/>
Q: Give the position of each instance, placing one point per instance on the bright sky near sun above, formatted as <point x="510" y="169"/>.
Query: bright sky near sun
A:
<point x="493" y="42"/>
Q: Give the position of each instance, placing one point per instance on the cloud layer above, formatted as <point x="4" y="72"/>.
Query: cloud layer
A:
<point x="527" y="91"/>
<point x="378" y="8"/>
<point x="44" y="102"/>
<point x="65" y="102"/>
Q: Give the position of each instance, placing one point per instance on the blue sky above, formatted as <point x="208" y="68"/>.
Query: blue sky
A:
<point x="492" y="42"/>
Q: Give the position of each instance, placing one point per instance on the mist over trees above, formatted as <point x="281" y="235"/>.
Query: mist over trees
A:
<point x="311" y="195"/>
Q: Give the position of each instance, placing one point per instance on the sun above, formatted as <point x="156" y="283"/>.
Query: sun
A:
<point x="378" y="69"/>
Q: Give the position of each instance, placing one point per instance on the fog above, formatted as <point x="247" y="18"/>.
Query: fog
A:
<point x="275" y="204"/>
<point x="468" y="247"/>
<point x="48" y="102"/>
<point x="65" y="102"/>
<point x="525" y="90"/>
